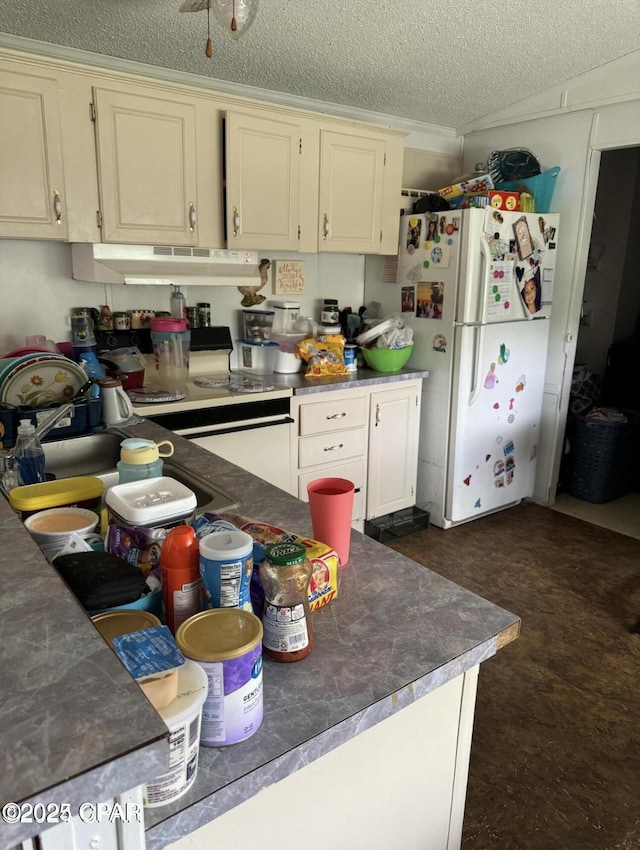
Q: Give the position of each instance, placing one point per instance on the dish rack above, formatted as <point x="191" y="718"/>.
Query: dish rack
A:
<point x="86" y="416"/>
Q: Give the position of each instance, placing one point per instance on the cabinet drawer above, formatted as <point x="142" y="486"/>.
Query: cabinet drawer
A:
<point x="322" y="449"/>
<point x="323" y="416"/>
<point x="352" y="471"/>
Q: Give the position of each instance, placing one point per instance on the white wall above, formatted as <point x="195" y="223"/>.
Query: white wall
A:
<point x="38" y="290"/>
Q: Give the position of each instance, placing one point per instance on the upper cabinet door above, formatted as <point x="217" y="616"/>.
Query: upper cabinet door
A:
<point x="146" y="148"/>
<point x="263" y="182"/>
<point x="351" y="193"/>
<point x="32" y="196"/>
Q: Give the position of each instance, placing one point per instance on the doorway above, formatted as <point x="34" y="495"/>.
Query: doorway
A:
<point x="609" y="333"/>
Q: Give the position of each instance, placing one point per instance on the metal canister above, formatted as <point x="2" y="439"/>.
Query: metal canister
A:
<point x="204" y="314"/>
<point x="121" y="321"/>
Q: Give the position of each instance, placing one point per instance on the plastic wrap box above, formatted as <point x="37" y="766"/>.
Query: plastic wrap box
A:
<point x="604" y="456"/>
<point x="398" y="524"/>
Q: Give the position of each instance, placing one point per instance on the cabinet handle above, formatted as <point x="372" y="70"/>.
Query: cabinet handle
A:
<point x="325" y="227"/>
<point x="57" y="206"/>
<point x="336" y="416"/>
<point x="192" y="217"/>
<point x="377" y="415"/>
<point x="334" y="448"/>
<point x="236" y="221"/>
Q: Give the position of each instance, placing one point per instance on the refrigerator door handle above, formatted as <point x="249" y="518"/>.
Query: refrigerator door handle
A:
<point x="476" y="362"/>
<point x="485" y="265"/>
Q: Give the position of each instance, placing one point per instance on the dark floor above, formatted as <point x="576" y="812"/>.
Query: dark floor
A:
<point x="555" y="761"/>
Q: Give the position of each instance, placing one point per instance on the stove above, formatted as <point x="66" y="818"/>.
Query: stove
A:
<point x="242" y="417"/>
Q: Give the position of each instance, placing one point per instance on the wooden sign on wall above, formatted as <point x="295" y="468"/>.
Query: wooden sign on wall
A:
<point x="288" y="277"/>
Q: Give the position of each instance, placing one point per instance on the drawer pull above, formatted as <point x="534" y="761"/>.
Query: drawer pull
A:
<point x="334" y="448"/>
<point x="337" y="416"/>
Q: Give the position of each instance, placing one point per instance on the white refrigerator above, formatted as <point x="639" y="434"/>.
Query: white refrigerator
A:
<point x="477" y="285"/>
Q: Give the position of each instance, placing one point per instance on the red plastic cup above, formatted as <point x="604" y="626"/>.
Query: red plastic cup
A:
<point x="331" y="505"/>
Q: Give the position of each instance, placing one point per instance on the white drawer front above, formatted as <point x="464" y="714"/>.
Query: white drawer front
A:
<point x="331" y="448"/>
<point x="323" y="416"/>
<point x="352" y="470"/>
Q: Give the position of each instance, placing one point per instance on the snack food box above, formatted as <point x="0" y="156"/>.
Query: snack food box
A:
<point x="479" y="185"/>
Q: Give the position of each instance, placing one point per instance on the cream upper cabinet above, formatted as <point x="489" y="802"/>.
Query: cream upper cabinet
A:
<point x="394" y="418"/>
<point x="351" y="192"/>
<point x="263" y="158"/>
<point x="147" y="177"/>
<point x="32" y="189"/>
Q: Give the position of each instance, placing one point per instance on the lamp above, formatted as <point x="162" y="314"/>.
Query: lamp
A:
<point x="234" y="16"/>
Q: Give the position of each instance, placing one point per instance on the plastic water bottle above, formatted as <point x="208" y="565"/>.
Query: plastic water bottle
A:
<point x="29" y="454"/>
<point x="178" y="304"/>
<point x="141" y="459"/>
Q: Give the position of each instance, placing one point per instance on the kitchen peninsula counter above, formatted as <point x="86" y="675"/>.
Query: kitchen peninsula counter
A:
<point x="397" y="634"/>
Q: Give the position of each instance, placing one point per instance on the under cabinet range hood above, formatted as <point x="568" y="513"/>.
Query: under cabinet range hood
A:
<point x="164" y="265"/>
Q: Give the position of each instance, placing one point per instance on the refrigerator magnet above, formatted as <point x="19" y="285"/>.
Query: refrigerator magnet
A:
<point x="522" y="233"/>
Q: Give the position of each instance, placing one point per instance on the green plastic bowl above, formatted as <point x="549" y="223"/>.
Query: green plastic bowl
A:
<point x="386" y="359"/>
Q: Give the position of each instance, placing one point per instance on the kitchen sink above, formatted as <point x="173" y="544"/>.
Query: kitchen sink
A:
<point x="97" y="455"/>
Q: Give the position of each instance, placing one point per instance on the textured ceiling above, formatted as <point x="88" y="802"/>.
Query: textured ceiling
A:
<point x="443" y="63"/>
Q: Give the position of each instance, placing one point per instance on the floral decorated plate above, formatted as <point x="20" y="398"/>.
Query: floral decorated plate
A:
<point x="42" y="382"/>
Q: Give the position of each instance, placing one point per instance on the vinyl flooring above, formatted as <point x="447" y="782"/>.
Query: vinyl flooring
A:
<point x="555" y="761"/>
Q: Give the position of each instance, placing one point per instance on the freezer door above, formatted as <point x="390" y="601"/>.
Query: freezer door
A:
<point x="495" y="416"/>
<point x="507" y="266"/>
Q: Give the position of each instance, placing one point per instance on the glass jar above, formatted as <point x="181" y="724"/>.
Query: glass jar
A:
<point x="286" y="619"/>
<point x="330" y="313"/>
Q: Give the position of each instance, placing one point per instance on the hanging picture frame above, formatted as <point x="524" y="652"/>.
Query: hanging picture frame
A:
<point x="288" y="277"/>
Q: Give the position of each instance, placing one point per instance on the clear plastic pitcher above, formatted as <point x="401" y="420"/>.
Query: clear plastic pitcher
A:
<point x="170" y="340"/>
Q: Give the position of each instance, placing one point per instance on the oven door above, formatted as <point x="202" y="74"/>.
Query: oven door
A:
<point x="255" y="436"/>
<point x="263" y="448"/>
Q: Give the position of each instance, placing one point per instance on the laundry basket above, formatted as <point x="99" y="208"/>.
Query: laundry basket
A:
<point x="604" y="454"/>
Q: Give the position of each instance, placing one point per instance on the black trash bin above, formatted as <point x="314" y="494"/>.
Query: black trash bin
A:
<point x="604" y="457"/>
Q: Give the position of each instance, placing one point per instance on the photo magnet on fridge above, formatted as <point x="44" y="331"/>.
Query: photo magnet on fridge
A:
<point x="523" y="237"/>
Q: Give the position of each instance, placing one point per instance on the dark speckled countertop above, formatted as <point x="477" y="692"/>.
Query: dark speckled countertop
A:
<point x="74" y="727"/>
<point x="300" y="385"/>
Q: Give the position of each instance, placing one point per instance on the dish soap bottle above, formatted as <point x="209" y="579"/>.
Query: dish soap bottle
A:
<point x="178" y="304"/>
<point x="29" y="454"/>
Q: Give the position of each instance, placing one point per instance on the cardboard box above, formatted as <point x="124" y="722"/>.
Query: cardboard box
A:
<point x="509" y="201"/>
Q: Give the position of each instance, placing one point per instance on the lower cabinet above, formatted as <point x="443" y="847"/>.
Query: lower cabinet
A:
<point x="368" y="435"/>
<point x="393" y="450"/>
<point x="401" y="783"/>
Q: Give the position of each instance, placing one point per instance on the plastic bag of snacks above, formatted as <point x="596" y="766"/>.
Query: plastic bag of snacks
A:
<point x="324" y="355"/>
<point x="323" y="587"/>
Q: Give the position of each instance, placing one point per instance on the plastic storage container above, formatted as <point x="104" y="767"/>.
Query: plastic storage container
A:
<point x="157" y="502"/>
<point x="183" y="716"/>
<point x="286" y="314"/>
<point x="141" y="459"/>
<point x="286" y="360"/>
<point x="84" y="491"/>
<point x="257" y="325"/>
<point x="257" y="357"/>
